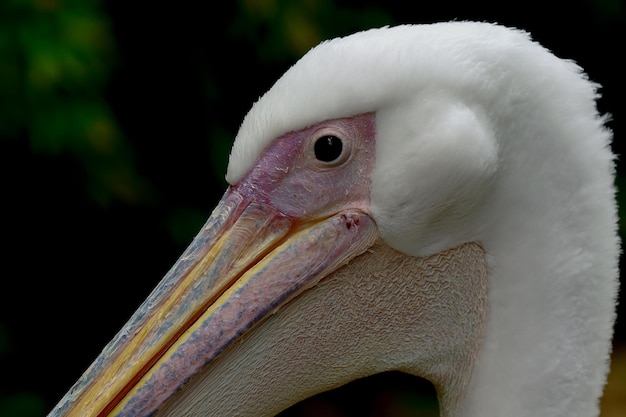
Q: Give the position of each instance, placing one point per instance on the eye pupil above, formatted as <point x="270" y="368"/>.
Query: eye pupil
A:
<point x="328" y="148"/>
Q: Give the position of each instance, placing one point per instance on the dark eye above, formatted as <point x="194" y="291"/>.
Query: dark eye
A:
<point x="328" y="148"/>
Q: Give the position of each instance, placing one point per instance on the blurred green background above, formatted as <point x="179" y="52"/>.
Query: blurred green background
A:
<point x="116" y="119"/>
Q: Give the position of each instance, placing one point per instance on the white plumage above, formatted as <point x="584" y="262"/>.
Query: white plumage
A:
<point x="478" y="122"/>
<point x="487" y="172"/>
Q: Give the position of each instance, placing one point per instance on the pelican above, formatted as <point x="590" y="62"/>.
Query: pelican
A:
<point x="431" y="199"/>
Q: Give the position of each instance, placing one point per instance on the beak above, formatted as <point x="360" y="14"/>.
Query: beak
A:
<point x="248" y="260"/>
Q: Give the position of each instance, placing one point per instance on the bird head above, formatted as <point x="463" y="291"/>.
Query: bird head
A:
<point x="398" y="200"/>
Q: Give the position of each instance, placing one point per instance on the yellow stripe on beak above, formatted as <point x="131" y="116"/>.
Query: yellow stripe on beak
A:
<point x="247" y="261"/>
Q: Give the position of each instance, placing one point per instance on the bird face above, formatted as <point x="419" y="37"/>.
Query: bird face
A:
<point x="316" y="172"/>
<point x="300" y="214"/>
<point x="405" y="176"/>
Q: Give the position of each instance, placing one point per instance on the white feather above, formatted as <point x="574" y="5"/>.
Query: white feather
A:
<point x="485" y="136"/>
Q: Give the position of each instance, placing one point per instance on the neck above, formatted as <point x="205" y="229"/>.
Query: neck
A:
<point x="553" y="254"/>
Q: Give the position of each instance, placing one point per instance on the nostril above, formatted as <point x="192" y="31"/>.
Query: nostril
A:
<point x="350" y="221"/>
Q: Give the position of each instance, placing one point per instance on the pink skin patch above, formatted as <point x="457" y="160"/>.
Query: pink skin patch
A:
<point x="290" y="178"/>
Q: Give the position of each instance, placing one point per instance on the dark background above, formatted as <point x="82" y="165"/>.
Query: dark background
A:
<point x="116" y="119"/>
